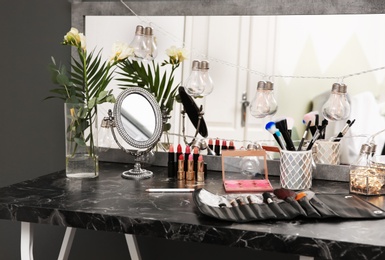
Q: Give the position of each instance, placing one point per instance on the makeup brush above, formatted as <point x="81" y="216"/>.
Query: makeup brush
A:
<point x="304" y="136"/>
<point x="311" y="116"/>
<point x="323" y="126"/>
<point x="267" y="198"/>
<point x="271" y="127"/>
<point x="289" y="196"/>
<point x="283" y="193"/>
<point x="282" y="127"/>
<point x="290" y="124"/>
<point x="344" y="130"/>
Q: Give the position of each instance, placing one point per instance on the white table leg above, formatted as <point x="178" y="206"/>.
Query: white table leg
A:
<point x="133" y="247"/>
<point x="67" y="243"/>
<point x="26" y="241"/>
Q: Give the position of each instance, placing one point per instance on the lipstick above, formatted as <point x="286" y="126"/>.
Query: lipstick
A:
<point x="171" y="162"/>
<point x="181" y="172"/>
<point x="190" y="174"/>
<point x="224" y="145"/>
<point x="217" y="147"/>
<point x="178" y="151"/>
<point x="186" y="156"/>
<point x="231" y="146"/>
<point x="211" y="146"/>
<point x="200" y="169"/>
<point x="195" y="158"/>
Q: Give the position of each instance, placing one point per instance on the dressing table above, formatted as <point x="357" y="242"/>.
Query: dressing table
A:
<point x="110" y="203"/>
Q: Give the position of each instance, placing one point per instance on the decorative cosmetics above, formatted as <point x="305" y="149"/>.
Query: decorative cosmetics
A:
<point x="195" y="158"/>
<point x="224" y="145"/>
<point x="190" y="174"/>
<point x="200" y="169"/>
<point x="211" y="146"/>
<point x="171" y="162"/>
<point x="217" y="147"/>
<point x="186" y="156"/>
<point x="181" y="173"/>
<point x="231" y="145"/>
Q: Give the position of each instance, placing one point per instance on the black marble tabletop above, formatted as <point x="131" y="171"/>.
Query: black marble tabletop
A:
<point x="110" y="203"/>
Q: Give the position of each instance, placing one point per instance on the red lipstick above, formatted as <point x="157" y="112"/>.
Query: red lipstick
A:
<point x="200" y="170"/>
<point x="181" y="172"/>
<point x="190" y="174"/>
<point x="217" y="147"/>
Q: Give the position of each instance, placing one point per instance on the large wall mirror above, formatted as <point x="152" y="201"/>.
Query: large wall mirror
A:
<point x="305" y="47"/>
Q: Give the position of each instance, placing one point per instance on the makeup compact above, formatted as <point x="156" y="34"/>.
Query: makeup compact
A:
<point x="245" y="171"/>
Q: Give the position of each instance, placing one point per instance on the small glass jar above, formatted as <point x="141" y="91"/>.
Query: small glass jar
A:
<point x="367" y="173"/>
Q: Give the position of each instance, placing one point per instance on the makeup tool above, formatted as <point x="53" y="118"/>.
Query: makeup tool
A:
<point x="190" y="174"/>
<point x="289" y="196"/>
<point x="304" y="136"/>
<point x="210" y="144"/>
<point x="271" y="127"/>
<point x="187" y="153"/>
<point x="231" y="145"/>
<point x="170" y="190"/>
<point x="267" y="198"/>
<point x="344" y="130"/>
<point x="217" y="147"/>
<point x="171" y="162"/>
<point x="181" y="173"/>
<point x="311" y="116"/>
<point x="178" y="151"/>
<point x="303" y="199"/>
<point x="315" y="138"/>
<point x="323" y="126"/>
<point x="240" y="201"/>
<point x="200" y="169"/>
<point x="224" y="145"/>
<point x="282" y="127"/>
<point x="290" y="124"/>
<point x="195" y="158"/>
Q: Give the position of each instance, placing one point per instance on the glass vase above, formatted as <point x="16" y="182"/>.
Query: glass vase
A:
<point x="81" y="141"/>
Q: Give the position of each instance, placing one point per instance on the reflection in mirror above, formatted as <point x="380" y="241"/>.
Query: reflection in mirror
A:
<point x="139" y="123"/>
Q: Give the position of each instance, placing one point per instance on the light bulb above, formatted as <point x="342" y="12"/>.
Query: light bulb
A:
<point x="193" y="84"/>
<point x="273" y="106"/>
<point x="150" y="43"/>
<point x="138" y="44"/>
<point x="206" y="80"/>
<point x="263" y="103"/>
<point x="337" y="107"/>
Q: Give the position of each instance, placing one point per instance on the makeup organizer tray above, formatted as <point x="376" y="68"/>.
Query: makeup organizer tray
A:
<point x="245" y="171"/>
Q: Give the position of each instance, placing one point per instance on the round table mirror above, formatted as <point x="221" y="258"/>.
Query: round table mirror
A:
<point x="138" y="120"/>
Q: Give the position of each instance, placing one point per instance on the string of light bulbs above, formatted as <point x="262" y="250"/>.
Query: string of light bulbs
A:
<point x="244" y="68"/>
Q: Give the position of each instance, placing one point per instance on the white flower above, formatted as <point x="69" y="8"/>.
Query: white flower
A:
<point x="177" y="54"/>
<point x="74" y="38"/>
<point x="121" y="51"/>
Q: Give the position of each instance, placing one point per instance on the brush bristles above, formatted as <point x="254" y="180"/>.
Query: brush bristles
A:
<point x="309" y="117"/>
<point x="271" y="127"/>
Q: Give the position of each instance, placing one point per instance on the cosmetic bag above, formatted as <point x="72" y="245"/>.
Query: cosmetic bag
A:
<point x="252" y="207"/>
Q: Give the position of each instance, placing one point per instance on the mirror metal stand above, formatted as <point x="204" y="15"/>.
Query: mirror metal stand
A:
<point x="137" y="173"/>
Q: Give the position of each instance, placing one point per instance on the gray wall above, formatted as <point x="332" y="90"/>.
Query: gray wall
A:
<point x="32" y="133"/>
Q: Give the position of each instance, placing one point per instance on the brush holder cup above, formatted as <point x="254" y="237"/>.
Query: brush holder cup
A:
<point x="326" y="152"/>
<point x="296" y="169"/>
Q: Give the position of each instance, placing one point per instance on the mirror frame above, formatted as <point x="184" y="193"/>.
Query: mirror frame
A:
<point x="148" y="144"/>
